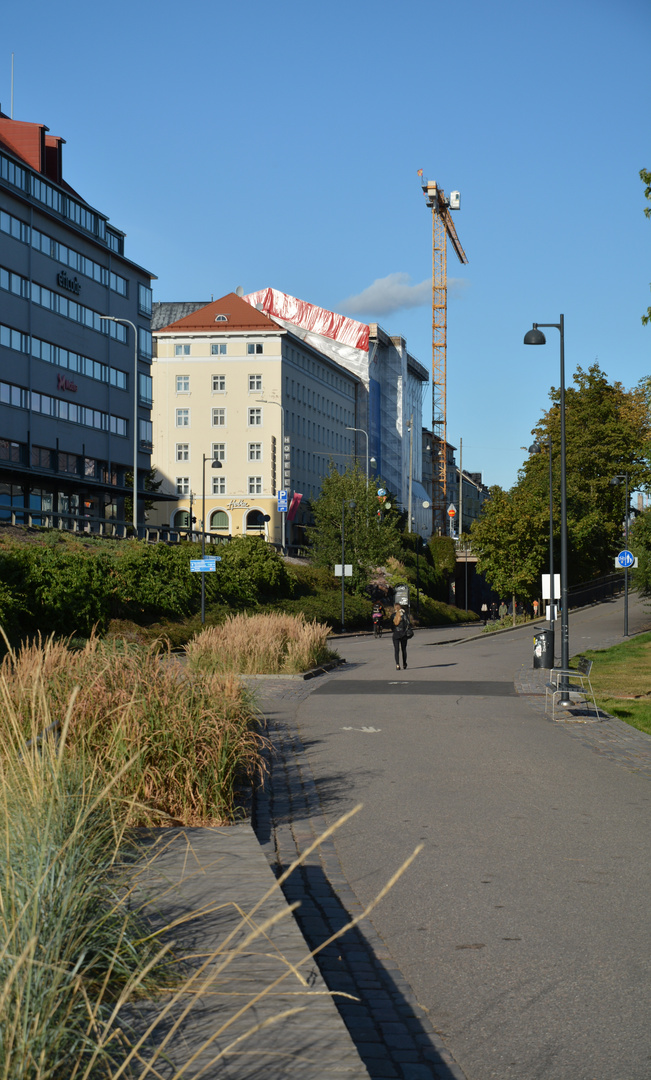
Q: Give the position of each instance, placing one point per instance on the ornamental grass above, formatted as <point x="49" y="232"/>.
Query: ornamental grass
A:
<point x="182" y="746"/>
<point x="269" y="644"/>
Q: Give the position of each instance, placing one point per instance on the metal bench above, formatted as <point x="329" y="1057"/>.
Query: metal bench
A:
<point x="578" y="685"/>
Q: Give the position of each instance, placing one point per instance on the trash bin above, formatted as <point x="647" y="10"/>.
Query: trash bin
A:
<point x="543" y="648"/>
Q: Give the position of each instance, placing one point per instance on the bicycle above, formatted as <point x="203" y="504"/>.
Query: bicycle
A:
<point x="377" y="625"/>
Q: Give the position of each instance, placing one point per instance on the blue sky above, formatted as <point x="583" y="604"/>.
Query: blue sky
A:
<point x="258" y="144"/>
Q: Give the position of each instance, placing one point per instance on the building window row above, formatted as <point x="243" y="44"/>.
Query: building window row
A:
<point x="64" y="358"/>
<point x="218" y="417"/>
<point x="20" y="398"/>
<point x="218" y="383"/>
<point x="219" y="485"/>
<point x="254" y="452"/>
<point x="47" y="245"/>
<point x="324" y="374"/>
<point x="42" y="457"/>
<point x="69" y="309"/>
<point x="55" y="199"/>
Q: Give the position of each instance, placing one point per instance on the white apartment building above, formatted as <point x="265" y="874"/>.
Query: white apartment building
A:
<point x="229" y="385"/>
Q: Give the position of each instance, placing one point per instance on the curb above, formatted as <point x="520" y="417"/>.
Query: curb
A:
<point x="301" y="676"/>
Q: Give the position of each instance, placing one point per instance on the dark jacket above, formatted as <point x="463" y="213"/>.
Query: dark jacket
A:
<point x="400" y="630"/>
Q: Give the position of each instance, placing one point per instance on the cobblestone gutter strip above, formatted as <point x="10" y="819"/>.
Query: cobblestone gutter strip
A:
<point x="391" y="1031"/>
<point x="608" y="736"/>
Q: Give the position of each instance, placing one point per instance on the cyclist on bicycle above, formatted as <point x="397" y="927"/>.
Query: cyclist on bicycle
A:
<point x="378" y="615"/>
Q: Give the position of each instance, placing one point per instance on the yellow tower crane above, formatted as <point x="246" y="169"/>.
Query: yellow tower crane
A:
<point x="442" y="228"/>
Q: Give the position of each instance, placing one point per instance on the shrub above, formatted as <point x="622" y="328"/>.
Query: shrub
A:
<point x="260" y="644"/>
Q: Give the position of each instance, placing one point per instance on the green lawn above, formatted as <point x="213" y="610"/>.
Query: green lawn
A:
<point x="621" y="679"/>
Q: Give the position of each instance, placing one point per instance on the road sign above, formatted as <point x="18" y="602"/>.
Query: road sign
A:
<point x="625" y="558"/>
<point x="348" y="570"/>
<point x="545" y="587"/>
<point x="452" y="510"/>
<point x="381" y="491"/>
<point x="202" y="566"/>
<point x="282" y="502"/>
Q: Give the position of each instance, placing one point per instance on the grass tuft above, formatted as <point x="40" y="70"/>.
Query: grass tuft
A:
<point x="269" y="644"/>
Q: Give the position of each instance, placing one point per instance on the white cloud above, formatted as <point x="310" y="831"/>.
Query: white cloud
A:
<point x="393" y="293"/>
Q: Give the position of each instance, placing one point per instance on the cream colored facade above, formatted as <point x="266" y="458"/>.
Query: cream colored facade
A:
<point x="223" y="393"/>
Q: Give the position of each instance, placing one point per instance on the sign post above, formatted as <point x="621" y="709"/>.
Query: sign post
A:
<point x="452" y="510"/>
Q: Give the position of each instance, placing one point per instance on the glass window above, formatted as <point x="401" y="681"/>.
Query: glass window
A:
<point x="144" y="300"/>
<point x="219" y="520"/>
<point x="145" y="433"/>
<point x="219" y="418"/>
<point x="144" y="343"/>
<point x="145" y="389"/>
<point x="183" y="384"/>
<point x="218" y="349"/>
<point x="181" y="350"/>
<point x="182" y="519"/>
<point x="255" y="451"/>
<point x="182" y="451"/>
<point x="219" y="451"/>
<point x="218" y="384"/>
<point x="219" y="485"/>
<point x="255" y="485"/>
<point x="254" y="348"/>
<point x="183" y="418"/>
<point x="183" y="485"/>
<point x="255" y="417"/>
<point x="255" y="382"/>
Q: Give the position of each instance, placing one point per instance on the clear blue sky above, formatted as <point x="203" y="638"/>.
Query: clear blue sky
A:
<point x="277" y="144"/>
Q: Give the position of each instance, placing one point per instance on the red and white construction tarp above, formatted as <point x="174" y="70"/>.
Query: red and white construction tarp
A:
<point x="314" y="319"/>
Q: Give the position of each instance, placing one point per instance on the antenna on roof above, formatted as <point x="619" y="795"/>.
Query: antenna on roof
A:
<point x="239" y="290"/>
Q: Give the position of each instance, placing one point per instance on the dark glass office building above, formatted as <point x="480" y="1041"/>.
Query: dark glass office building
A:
<point x="68" y="399"/>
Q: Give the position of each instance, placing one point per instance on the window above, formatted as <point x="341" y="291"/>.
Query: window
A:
<point x="145" y="433"/>
<point x="254" y="348"/>
<point x="219" y="451"/>
<point x="219" y="418"/>
<point x="183" y="451"/>
<point x="221" y="318"/>
<point x="183" y="384"/>
<point x="218" y="349"/>
<point x="255" y="382"/>
<point x="145" y="389"/>
<point x="181" y="350"/>
<point x="255" y="417"/>
<point x="144" y="300"/>
<point x="219" y="485"/>
<point x="255" y="485"/>
<point x="218" y="384"/>
<point x="255" y="451"/>
<point x="183" y="485"/>
<point x="144" y="343"/>
<point x="182" y="519"/>
<point x="219" y="520"/>
<point x="183" y="418"/>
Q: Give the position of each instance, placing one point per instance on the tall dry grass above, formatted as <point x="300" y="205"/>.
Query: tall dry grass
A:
<point x="182" y="745"/>
<point x="260" y="645"/>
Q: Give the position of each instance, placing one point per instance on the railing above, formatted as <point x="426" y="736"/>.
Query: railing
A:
<point x="589" y="592"/>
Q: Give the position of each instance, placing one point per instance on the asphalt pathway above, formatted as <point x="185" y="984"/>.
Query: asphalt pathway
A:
<point x="522" y="927"/>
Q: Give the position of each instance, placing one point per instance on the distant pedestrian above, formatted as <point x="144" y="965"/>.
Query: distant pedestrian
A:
<point x="484" y="612"/>
<point x="535" y="609"/>
<point x="401" y="632"/>
<point x="503" y="610"/>
<point x="493" y="611"/>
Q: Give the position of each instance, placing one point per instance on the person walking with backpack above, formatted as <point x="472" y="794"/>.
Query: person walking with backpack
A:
<point x="401" y="632"/>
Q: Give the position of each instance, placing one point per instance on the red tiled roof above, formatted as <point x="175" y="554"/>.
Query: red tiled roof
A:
<point x="240" y="316"/>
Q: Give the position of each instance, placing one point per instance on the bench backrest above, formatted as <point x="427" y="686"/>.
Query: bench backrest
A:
<point x="584" y="666"/>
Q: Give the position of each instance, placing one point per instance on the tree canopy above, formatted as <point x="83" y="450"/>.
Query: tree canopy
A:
<point x="372" y="533"/>
<point x="607" y="434"/>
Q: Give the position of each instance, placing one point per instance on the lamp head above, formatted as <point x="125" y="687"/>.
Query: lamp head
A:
<point x="535" y="337"/>
<point x="216" y="463"/>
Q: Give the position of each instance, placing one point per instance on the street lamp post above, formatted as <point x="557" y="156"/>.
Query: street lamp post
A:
<point x="216" y="464"/>
<point x="127" y="322"/>
<point x="536" y="337"/>
<point x="365" y="433"/>
<point x="283" y="516"/>
<point x="343" y="560"/>
<point x="535" y="449"/>
<point x="616" y="480"/>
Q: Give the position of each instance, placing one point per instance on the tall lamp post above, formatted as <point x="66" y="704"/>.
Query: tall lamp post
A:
<point x="216" y="464"/>
<point x="127" y="322"/>
<point x="536" y="449"/>
<point x="617" y="480"/>
<point x="352" y="505"/>
<point x="283" y="515"/>
<point x="535" y="336"/>
<point x="365" y="433"/>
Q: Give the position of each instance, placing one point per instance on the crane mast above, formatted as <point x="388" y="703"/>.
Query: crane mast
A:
<point x="442" y="228"/>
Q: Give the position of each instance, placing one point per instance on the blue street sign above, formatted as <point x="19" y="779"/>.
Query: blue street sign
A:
<point x="202" y="566"/>
<point x="282" y="502"/>
<point x="626" y="558"/>
<point x="381" y="491"/>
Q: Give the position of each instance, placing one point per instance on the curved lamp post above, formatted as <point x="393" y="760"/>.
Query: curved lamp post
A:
<point x="535" y="336"/>
<point x="365" y="433"/>
<point x="216" y="464"/>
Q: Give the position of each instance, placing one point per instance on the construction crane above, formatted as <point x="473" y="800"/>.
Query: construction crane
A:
<point x="442" y="228"/>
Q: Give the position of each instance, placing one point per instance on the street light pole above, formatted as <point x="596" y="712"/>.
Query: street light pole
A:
<point x="536" y="337"/>
<point x="112" y="318"/>
<point x="216" y="464"/>
<point x="283" y="516"/>
<point x="615" y="480"/>
<point x="365" y="433"/>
